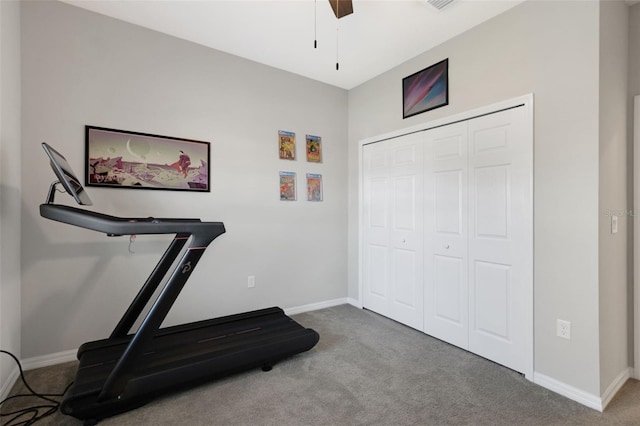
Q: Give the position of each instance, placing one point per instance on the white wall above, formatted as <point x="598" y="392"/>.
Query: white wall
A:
<point x="615" y="281"/>
<point x="9" y="188"/>
<point x="550" y="49"/>
<point x="82" y="68"/>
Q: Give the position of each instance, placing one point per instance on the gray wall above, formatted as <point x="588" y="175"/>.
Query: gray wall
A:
<point x="9" y="188"/>
<point x="550" y="49"/>
<point x="634" y="89"/>
<point x="83" y="68"/>
<point x="634" y="57"/>
<point x="614" y="188"/>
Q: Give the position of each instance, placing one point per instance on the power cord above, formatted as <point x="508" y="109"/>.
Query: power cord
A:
<point x="33" y="411"/>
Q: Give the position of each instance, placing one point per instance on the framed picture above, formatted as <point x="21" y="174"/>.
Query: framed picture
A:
<point x="314" y="149"/>
<point x="287" y="145"/>
<point x="426" y="90"/>
<point x="124" y="159"/>
<point x="314" y="187"/>
<point x="287" y="186"/>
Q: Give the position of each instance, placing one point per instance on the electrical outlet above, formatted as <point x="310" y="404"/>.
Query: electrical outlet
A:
<point x="251" y="281"/>
<point x="564" y="329"/>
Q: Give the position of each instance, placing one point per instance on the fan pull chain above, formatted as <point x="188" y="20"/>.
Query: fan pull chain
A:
<point x="337" y="34"/>
<point x="337" y="55"/>
<point x="315" y="24"/>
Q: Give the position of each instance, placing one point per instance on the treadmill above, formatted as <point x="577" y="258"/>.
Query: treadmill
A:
<point x="130" y="368"/>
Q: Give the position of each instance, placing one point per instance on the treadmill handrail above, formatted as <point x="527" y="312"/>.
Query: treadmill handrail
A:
<point x="113" y="225"/>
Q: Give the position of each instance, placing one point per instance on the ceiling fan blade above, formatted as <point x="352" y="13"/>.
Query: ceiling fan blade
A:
<point x="341" y="7"/>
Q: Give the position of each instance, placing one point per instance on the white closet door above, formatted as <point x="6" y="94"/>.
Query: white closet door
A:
<point x="393" y="269"/>
<point x="448" y="234"/>
<point x="446" y="304"/>
<point x="500" y="237"/>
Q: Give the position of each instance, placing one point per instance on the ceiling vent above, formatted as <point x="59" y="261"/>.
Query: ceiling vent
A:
<point x="439" y="4"/>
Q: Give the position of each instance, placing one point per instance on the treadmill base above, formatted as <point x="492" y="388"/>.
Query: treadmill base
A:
<point x="183" y="356"/>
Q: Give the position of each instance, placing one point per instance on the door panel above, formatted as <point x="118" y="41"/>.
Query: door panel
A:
<point x="448" y="289"/>
<point x="448" y="202"/>
<point x="405" y="280"/>
<point x="376" y="229"/>
<point x="491" y="194"/>
<point x="406" y="230"/>
<point x="445" y="212"/>
<point x="492" y="299"/>
<point x="377" y="271"/>
<point x="500" y="237"/>
<point x="393" y="226"/>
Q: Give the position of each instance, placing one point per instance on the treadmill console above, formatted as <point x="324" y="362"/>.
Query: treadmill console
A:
<point x="67" y="178"/>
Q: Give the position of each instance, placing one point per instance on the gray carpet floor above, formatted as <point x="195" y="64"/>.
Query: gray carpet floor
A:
<point x="366" y="370"/>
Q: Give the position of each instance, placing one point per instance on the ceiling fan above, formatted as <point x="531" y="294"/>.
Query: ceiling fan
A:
<point x="341" y="7"/>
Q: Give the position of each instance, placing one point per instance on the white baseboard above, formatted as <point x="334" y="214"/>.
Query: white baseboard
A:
<point x="354" y="302"/>
<point x="584" y="398"/>
<point x="615" y="386"/>
<point x="315" y="306"/>
<point x="47" y="360"/>
<point x="8" y="384"/>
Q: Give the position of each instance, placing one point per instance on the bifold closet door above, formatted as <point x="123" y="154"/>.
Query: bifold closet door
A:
<point x="446" y="304"/>
<point x="500" y="237"/>
<point x="448" y="234"/>
<point x="393" y="233"/>
<point x="478" y="235"/>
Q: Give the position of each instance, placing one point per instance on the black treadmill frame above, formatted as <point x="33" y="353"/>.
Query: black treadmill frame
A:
<point x="122" y="389"/>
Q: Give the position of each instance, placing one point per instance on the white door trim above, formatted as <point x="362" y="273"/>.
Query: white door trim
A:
<point x="636" y="236"/>
<point x="525" y="102"/>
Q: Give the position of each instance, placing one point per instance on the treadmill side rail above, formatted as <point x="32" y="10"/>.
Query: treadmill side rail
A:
<point x="113" y="225"/>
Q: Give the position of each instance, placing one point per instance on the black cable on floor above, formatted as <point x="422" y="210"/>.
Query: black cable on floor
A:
<point x="34" y="413"/>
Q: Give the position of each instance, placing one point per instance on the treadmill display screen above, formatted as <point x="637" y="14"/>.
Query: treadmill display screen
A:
<point x="66" y="176"/>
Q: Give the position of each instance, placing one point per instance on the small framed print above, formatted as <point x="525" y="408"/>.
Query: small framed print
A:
<point x="426" y="90"/>
<point x="287" y="186"/>
<point x="314" y="187"/>
<point x="314" y="149"/>
<point x="287" y="145"/>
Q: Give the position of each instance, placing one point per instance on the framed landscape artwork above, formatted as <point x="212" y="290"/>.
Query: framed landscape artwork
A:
<point x="124" y="159"/>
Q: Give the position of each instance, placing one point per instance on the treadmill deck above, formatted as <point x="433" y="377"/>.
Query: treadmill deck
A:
<point x="185" y="355"/>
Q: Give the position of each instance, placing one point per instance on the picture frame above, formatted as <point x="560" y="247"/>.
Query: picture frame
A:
<point x="288" y="186"/>
<point x="286" y="145"/>
<point x="134" y="160"/>
<point x="426" y="89"/>
<point x="314" y="148"/>
<point x="314" y="187"/>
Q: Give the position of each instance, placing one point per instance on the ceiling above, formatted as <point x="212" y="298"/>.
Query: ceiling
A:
<point x="378" y="36"/>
